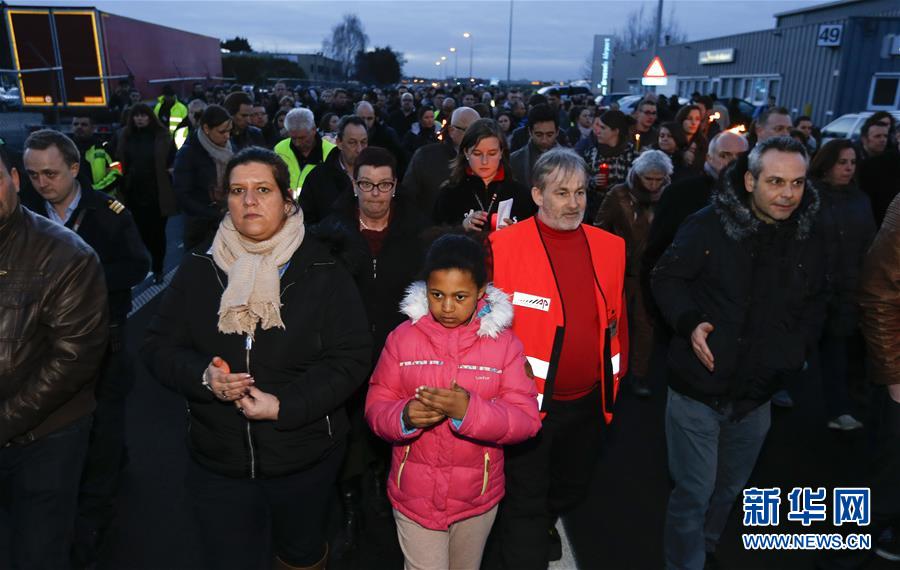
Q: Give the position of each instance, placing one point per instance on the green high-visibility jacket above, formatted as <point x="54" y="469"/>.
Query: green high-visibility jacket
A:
<point x="176" y="114"/>
<point x="298" y="175"/>
<point x="103" y="174"/>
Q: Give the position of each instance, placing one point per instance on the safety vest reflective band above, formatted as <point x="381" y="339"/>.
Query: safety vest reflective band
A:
<point x="180" y="136"/>
<point x="176" y="114"/>
<point x="102" y="174"/>
<point x="298" y="175"/>
<point x="522" y="268"/>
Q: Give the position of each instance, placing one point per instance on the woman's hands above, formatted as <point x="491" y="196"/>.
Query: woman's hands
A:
<point x="474" y="222"/>
<point x="259" y="405"/>
<point x="238" y="388"/>
<point x="225" y="386"/>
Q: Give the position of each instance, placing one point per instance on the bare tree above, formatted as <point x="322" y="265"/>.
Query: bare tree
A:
<point x="347" y="39"/>
<point x="587" y="66"/>
<point x="641" y="26"/>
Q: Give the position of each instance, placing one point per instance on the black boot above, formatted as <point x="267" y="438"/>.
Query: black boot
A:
<point x="348" y="537"/>
<point x="381" y="507"/>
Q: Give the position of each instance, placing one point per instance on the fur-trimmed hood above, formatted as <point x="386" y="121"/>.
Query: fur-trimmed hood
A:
<point x="732" y="204"/>
<point x="494" y="310"/>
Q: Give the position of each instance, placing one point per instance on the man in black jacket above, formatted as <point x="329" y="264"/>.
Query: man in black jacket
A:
<point x="430" y="165"/>
<point x="243" y="134"/>
<point x="110" y="230"/>
<point x="382" y="135"/>
<point x="687" y="196"/>
<point x="334" y="177"/>
<point x="53" y="336"/>
<point x="742" y="286"/>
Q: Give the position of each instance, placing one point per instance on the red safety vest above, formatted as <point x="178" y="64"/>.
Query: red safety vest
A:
<point x="522" y="269"/>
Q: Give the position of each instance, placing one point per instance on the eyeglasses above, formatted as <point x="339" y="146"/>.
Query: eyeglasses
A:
<point x="384" y="186"/>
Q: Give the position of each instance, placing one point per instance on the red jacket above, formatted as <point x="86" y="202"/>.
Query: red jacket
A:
<point x="521" y="266"/>
<point x="443" y="474"/>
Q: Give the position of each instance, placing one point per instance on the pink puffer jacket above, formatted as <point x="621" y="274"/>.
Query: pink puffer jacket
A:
<point x="440" y="475"/>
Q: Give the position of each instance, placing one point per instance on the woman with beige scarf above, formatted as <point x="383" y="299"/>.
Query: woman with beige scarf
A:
<point x="265" y="335"/>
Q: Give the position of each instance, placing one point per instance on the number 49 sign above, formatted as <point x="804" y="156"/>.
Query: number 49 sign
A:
<point x="829" y="35"/>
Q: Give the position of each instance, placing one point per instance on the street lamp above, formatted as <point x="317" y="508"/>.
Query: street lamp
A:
<point x="455" y="53"/>
<point x="469" y="37"/>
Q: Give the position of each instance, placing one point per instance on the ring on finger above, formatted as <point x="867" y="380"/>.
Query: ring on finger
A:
<point x="224" y="393"/>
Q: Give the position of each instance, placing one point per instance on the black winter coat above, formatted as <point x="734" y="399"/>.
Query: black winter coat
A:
<point x="382" y="279"/>
<point x="848" y="228"/>
<point x="312" y="365"/>
<point x="761" y="286"/>
<point x="194" y="180"/>
<point x="454" y="202"/>
<point x="323" y="186"/>
<point x="105" y="225"/>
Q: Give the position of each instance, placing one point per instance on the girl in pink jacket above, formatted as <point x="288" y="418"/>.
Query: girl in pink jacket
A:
<point x="449" y="390"/>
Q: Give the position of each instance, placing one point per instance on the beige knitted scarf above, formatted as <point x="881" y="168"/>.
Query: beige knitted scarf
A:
<point x="253" y="295"/>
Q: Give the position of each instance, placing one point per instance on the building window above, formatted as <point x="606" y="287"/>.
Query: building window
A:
<point x="883" y="94"/>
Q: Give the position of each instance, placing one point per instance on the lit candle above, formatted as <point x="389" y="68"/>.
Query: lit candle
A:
<point x="637" y="141"/>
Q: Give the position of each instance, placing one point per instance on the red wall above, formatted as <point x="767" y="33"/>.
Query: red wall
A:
<point x="153" y="51"/>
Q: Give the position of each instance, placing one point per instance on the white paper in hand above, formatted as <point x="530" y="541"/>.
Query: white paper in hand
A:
<point x="504" y="212"/>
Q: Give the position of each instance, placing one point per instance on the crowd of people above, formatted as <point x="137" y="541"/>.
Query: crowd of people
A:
<point x="432" y="297"/>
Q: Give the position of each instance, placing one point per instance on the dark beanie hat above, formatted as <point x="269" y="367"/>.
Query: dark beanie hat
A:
<point x="615" y="120"/>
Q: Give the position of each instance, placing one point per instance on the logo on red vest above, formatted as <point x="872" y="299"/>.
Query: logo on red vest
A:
<point x="531" y="301"/>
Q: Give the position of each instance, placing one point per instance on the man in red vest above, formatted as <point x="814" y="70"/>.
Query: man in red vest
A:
<point x="565" y="280"/>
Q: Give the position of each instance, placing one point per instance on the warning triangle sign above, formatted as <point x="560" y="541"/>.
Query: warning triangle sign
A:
<point x="655" y="69"/>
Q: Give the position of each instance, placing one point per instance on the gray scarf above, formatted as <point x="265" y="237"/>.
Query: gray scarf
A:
<point x="220" y="155"/>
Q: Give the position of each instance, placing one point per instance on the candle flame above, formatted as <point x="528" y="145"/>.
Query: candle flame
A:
<point x="715" y="116"/>
<point x="738" y="129"/>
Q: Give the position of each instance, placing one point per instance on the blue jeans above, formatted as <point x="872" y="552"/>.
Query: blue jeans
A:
<point x="39" y="484"/>
<point x="710" y="459"/>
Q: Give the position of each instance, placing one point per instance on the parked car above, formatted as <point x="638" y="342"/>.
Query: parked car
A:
<point x="566" y="92"/>
<point x="10" y="98"/>
<point x="606" y="100"/>
<point x="849" y="126"/>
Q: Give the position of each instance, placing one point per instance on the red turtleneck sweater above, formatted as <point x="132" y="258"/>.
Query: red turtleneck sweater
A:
<point x="578" y="372"/>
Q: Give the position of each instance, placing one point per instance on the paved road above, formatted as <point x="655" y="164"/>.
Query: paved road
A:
<point x="618" y="526"/>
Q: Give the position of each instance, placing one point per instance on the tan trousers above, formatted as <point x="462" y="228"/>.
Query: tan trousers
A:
<point x="458" y="548"/>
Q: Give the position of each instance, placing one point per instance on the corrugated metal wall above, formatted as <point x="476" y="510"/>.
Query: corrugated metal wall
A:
<point x="857" y="72"/>
<point x="812" y="76"/>
<point x="865" y="8"/>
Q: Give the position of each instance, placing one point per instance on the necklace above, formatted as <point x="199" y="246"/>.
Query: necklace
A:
<point x="363" y="225"/>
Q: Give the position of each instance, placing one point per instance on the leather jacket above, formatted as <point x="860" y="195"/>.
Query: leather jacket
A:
<point x="879" y="297"/>
<point x="53" y="327"/>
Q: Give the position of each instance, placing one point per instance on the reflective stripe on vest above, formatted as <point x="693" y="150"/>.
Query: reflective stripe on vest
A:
<point x="522" y="269"/>
<point x="180" y="136"/>
<point x="298" y="175"/>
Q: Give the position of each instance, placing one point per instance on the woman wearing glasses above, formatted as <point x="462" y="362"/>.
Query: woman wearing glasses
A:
<point x="382" y="245"/>
<point x="481" y="193"/>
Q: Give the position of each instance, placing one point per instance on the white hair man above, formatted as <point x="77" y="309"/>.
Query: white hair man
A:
<point x="304" y="149"/>
<point x="574" y="342"/>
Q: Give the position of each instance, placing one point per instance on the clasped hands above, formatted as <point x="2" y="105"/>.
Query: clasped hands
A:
<point x="431" y="406"/>
<point x="249" y="400"/>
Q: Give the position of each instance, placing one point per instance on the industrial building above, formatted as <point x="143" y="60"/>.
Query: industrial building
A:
<point x="822" y="61"/>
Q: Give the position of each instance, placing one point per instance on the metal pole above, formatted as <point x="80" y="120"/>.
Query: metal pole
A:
<point x="659" y="14"/>
<point x="456" y="64"/>
<point x="471" y="51"/>
<point x="509" y="44"/>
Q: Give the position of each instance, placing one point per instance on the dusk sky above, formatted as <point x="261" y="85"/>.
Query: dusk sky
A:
<point x="551" y="39"/>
